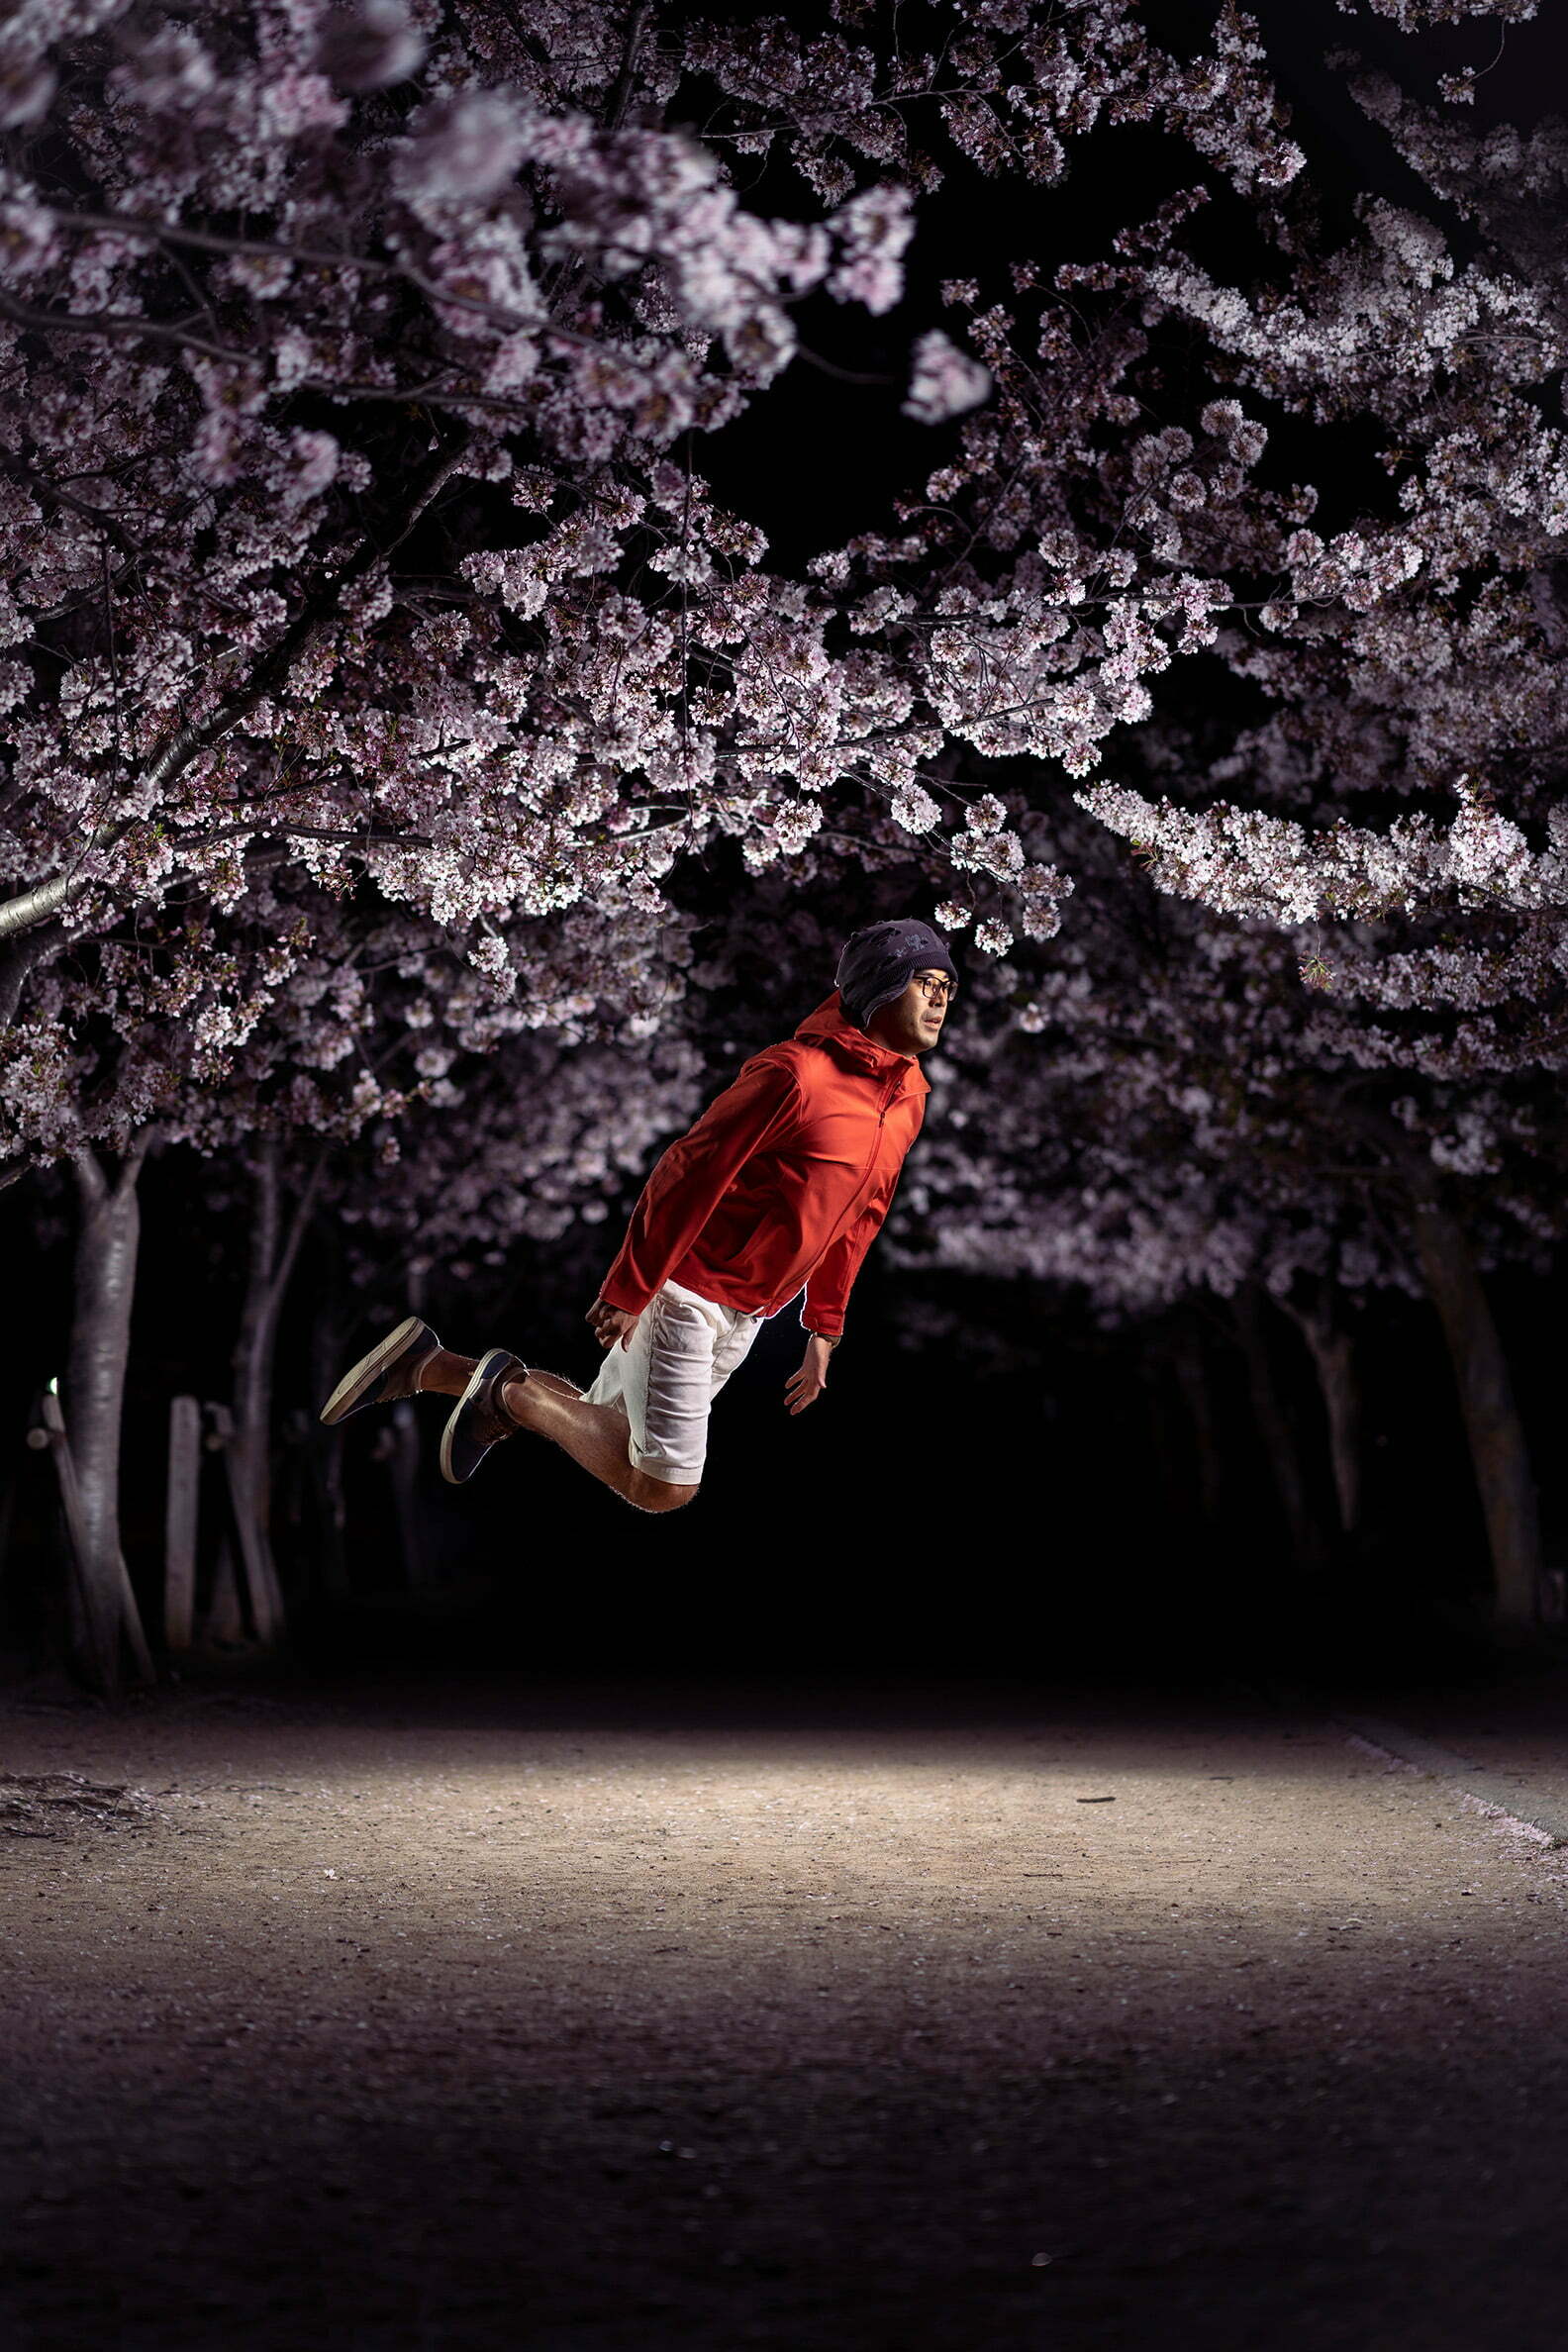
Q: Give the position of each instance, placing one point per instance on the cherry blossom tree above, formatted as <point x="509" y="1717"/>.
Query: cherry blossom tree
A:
<point x="431" y="1109"/>
<point x="1160" y="1111"/>
<point x="1390" y="809"/>
<point x="356" y="359"/>
<point x="375" y="526"/>
<point x="387" y="679"/>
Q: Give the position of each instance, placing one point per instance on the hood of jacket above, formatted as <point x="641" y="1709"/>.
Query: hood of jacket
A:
<point x="830" y="1027"/>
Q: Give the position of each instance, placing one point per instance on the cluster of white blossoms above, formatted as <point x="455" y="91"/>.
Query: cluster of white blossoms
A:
<point x="379" y="667"/>
<point x="354" y="532"/>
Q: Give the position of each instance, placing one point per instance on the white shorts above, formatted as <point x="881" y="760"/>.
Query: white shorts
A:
<point x="682" y="1350"/>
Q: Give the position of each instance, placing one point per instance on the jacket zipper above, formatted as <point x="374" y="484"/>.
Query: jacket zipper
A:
<point x="888" y="1101"/>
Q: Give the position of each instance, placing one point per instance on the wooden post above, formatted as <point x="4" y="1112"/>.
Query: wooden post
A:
<point x="180" y="1520"/>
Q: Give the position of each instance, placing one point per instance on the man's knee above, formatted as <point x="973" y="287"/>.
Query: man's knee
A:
<point x="657" y="1494"/>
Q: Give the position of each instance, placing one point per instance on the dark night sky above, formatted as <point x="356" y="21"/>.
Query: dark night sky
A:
<point x="819" y="458"/>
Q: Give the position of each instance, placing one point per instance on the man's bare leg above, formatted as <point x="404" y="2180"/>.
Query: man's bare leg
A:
<point x="592" y="1434"/>
<point x="448" y="1375"/>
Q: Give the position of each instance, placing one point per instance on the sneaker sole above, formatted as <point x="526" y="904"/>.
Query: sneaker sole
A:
<point x="369" y="1369"/>
<point x="476" y="1380"/>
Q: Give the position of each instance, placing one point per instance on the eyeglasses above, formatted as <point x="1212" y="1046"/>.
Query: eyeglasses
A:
<point x="938" y="992"/>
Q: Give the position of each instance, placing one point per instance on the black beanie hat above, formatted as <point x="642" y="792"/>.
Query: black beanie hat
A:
<point x="879" y="962"/>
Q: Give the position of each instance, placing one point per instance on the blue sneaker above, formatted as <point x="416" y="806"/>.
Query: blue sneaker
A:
<point x="479" y="1419"/>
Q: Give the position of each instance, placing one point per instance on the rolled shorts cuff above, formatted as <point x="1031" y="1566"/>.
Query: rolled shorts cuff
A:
<point x="673" y="1473"/>
<point x="681" y="1350"/>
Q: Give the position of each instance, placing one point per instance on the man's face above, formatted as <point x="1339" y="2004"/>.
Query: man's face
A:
<point x="912" y="1022"/>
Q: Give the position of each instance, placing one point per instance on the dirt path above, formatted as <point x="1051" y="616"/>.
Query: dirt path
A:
<point x="569" y="2023"/>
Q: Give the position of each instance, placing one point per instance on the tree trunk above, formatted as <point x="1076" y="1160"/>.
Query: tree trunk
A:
<point x="327" y="1342"/>
<point x="18" y="964"/>
<point x="1333" y="1352"/>
<point x="181" y="1521"/>
<point x="403" y="1469"/>
<point x="1491" y="1415"/>
<point x="1276" y="1431"/>
<point x="261" y="1578"/>
<point x="1164" y="1451"/>
<point x="274" y="1252"/>
<point x="1192" y="1378"/>
<point x="100" y="1338"/>
<point x="8" y="1496"/>
<point x="94" y="1629"/>
<point x="223" y="1627"/>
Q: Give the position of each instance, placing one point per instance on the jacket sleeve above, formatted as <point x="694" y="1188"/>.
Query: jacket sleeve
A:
<point x="756" y="1111"/>
<point x="832" y="1279"/>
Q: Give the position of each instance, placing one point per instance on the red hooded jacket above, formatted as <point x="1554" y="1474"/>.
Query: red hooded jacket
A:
<point x="784" y="1180"/>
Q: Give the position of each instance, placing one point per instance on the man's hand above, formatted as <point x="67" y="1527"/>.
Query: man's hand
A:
<point x="609" y="1324"/>
<point x="804" y="1387"/>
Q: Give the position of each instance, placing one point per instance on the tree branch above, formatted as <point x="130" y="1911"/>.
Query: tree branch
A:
<point x="204" y="240"/>
<point x="119" y="323"/>
<point x="36" y="906"/>
<point x="51" y="898"/>
<point x="131" y="1166"/>
<point x="18" y="966"/>
<point x="298" y="1224"/>
<point x="19" y="471"/>
<point x="89" y="1176"/>
<point x="621" y="95"/>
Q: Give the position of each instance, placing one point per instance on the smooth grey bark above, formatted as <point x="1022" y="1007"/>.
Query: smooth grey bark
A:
<point x="1498" y="1452"/>
<point x="18" y="964"/>
<point x="105" y="1287"/>
<point x="92" y="1616"/>
<point x="1333" y="1351"/>
<point x="40" y="903"/>
<point x="274" y="1253"/>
